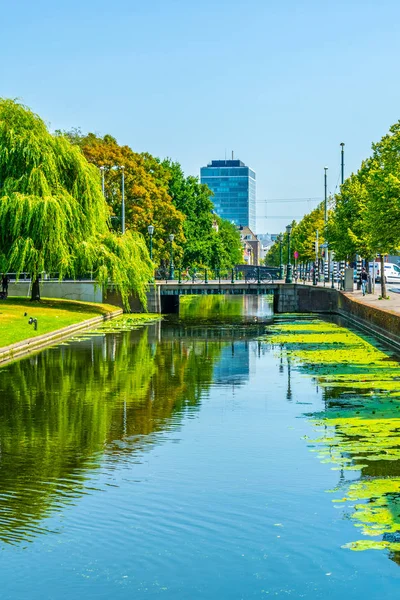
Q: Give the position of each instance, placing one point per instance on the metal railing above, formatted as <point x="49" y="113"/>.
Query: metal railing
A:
<point x="208" y="276"/>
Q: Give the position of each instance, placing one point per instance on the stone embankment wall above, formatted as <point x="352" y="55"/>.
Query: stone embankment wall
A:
<point x="383" y="324"/>
<point x="299" y="298"/>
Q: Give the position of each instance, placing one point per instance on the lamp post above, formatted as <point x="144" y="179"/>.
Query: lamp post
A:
<point x="289" y="266"/>
<point x="342" y="162"/>
<point x="326" y="256"/>
<point x="280" y="240"/>
<point x="102" y="169"/>
<point x="123" y="200"/>
<point x="171" y="260"/>
<point x="150" y="229"/>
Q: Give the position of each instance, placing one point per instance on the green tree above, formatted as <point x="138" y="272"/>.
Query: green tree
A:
<point x="52" y="214"/>
<point x="272" y="258"/>
<point x="347" y="228"/>
<point x="147" y="198"/>
<point x="304" y="234"/>
<point x="383" y="207"/>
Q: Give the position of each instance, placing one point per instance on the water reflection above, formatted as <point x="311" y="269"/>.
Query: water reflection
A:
<point x="229" y="308"/>
<point x="62" y="409"/>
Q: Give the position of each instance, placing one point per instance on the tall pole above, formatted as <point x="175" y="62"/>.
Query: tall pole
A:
<point x="123" y="200"/>
<point x="342" y="181"/>
<point x="326" y="255"/>
<point x="289" y="266"/>
<point x="342" y="161"/>
<point x="315" y="274"/>
<point x="280" y="239"/>
<point x="102" y="169"/>
<point x="150" y="229"/>
<point x="171" y="260"/>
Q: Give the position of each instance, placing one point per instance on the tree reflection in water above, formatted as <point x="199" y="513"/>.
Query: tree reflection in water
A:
<point x="63" y="408"/>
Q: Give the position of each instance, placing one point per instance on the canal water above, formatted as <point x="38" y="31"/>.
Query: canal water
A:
<point x="193" y="460"/>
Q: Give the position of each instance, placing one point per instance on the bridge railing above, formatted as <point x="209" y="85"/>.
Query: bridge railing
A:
<point x="205" y="276"/>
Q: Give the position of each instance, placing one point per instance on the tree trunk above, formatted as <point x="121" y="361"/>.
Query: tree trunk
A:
<point x="35" y="291"/>
<point x="383" y="282"/>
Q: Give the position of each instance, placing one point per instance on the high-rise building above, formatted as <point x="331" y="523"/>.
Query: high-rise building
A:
<point x="234" y="187"/>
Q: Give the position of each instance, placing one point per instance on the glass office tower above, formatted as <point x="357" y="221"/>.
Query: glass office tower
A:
<point x="234" y="187"/>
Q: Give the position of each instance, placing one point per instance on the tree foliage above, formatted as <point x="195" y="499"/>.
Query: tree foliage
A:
<point x="347" y="227"/>
<point x="147" y="199"/>
<point x="53" y="216"/>
<point x="158" y="193"/>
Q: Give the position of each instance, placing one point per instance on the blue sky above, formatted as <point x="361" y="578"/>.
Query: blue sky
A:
<point x="280" y="83"/>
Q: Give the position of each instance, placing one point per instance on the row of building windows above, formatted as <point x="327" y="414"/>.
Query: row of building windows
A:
<point x="225" y="172"/>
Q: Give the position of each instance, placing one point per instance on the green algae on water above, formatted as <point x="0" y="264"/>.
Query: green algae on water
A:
<point x="360" y="426"/>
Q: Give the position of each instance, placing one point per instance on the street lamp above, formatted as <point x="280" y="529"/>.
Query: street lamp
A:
<point x="150" y="229"/>
<point x="342" y="162"/>
<point x="102" y="169"/>
<point x="289" y="266"/>
<point x="326" y="256"/>
<point x="123" y="200"/>
<point x="280" y="240"/>
<point x="171" y="260"/>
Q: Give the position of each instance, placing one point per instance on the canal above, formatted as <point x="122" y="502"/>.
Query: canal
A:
<point x="208" y="457"/>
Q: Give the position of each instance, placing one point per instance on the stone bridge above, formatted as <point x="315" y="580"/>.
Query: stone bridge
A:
<point x="164" y="297"/>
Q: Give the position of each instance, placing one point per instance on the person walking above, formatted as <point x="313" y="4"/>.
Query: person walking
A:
<point x="4" y="283"/>
<point x="363" y="280"/>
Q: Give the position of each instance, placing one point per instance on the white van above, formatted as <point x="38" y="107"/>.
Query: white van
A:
<point x="392" y="272"/>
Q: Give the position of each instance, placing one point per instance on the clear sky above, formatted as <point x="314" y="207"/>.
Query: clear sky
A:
<point x="281" y="83"/>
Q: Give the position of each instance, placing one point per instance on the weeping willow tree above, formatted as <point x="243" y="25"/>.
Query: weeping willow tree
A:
<point x="53" y="217"/>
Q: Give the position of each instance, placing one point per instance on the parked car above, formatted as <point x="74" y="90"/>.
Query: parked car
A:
<point x="392" y="273"/>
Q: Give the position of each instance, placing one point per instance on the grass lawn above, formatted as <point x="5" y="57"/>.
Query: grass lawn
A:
<point x="50" y="314"/>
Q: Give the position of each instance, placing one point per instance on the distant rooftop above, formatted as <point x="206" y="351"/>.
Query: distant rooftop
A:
<point x="226" y="163"/>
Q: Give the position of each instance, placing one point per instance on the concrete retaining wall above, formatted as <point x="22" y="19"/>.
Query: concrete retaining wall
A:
<point x="84" y="291"/>
<point x="299" y="298"/>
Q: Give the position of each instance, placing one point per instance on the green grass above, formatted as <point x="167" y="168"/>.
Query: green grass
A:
<point x="50" y="314"/>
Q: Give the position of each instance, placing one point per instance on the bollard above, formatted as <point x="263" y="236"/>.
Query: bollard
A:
<point x="233" y="276"/>
<point x="205" y="276"/>
<point x="179" y="277"/>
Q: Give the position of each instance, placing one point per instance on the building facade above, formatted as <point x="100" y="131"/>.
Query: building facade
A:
<point x="234" y="187"/>
<point x="251" y="246"/>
